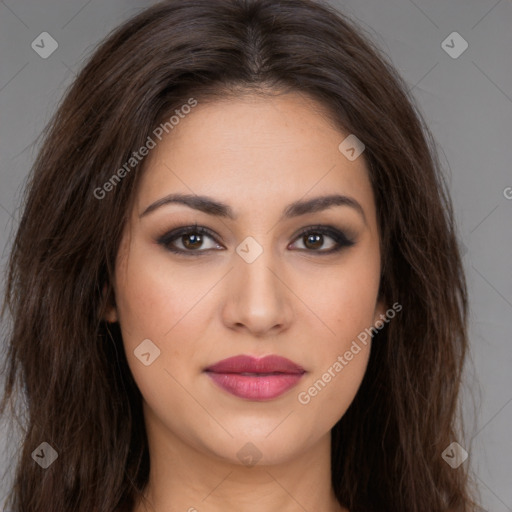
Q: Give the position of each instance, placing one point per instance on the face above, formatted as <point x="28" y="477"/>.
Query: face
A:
<point x="271" y="271"/>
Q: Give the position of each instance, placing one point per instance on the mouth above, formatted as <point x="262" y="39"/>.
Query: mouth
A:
<point x="256" y="379"/>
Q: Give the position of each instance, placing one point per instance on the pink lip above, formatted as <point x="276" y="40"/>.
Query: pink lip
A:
<point x="256" y="379"/>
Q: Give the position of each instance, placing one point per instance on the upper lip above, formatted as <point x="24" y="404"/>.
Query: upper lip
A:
<point x="250" y="364"/>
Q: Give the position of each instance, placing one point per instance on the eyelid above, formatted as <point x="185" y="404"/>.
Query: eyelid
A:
<point x="327" y="229"/>
<point x="341" y="239"/>
<point x="180" y="231"/>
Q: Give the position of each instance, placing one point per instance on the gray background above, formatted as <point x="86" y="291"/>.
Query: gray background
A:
<point x="467" y="102"/>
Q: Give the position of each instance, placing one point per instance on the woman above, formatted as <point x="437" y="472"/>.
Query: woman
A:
<point x="236" y="284"/>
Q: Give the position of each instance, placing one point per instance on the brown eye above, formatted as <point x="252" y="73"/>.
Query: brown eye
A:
<point x="313" y="241"/>
<point x="315" y="237"/>
<point x="192" y="241"/>
<point x="188" y="240"/>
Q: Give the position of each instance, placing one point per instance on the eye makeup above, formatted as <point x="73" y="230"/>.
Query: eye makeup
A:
<point x="189" y="235"/>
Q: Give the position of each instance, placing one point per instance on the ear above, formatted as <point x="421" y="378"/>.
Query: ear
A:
<point x="111" y="310"/>
<point x="380" y="313"/>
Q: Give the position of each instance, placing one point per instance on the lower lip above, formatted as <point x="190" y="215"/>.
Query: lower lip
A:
<point x="251" y="387"/>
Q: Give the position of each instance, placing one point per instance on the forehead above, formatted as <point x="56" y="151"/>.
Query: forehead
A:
<point x="255" y="153"/>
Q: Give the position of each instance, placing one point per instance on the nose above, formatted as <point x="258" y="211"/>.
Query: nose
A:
<point x="258" y="299"/>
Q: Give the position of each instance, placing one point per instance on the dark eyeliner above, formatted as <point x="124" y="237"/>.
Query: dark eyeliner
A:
<point x="338" y="236"/>
<point x="166" y="239"/>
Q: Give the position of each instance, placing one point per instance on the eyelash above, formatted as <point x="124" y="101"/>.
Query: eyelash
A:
<point x="339" y="237"/>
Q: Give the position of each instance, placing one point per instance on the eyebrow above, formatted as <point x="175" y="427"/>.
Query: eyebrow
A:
<point x="210" y="206"/>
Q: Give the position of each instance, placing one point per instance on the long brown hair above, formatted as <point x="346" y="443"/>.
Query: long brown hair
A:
<point x="69" y="365"/>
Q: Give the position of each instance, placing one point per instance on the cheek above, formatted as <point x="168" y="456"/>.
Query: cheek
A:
<point x="345" y="303"/>
<point x="342" y="301"/>
<point x="327" y="395"/>
<point x="341" y="352"/>
<point x="152" y="300"/>
<point x="164" y="306"/>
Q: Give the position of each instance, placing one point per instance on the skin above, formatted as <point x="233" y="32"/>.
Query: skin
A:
<point x="257" y="155"/>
